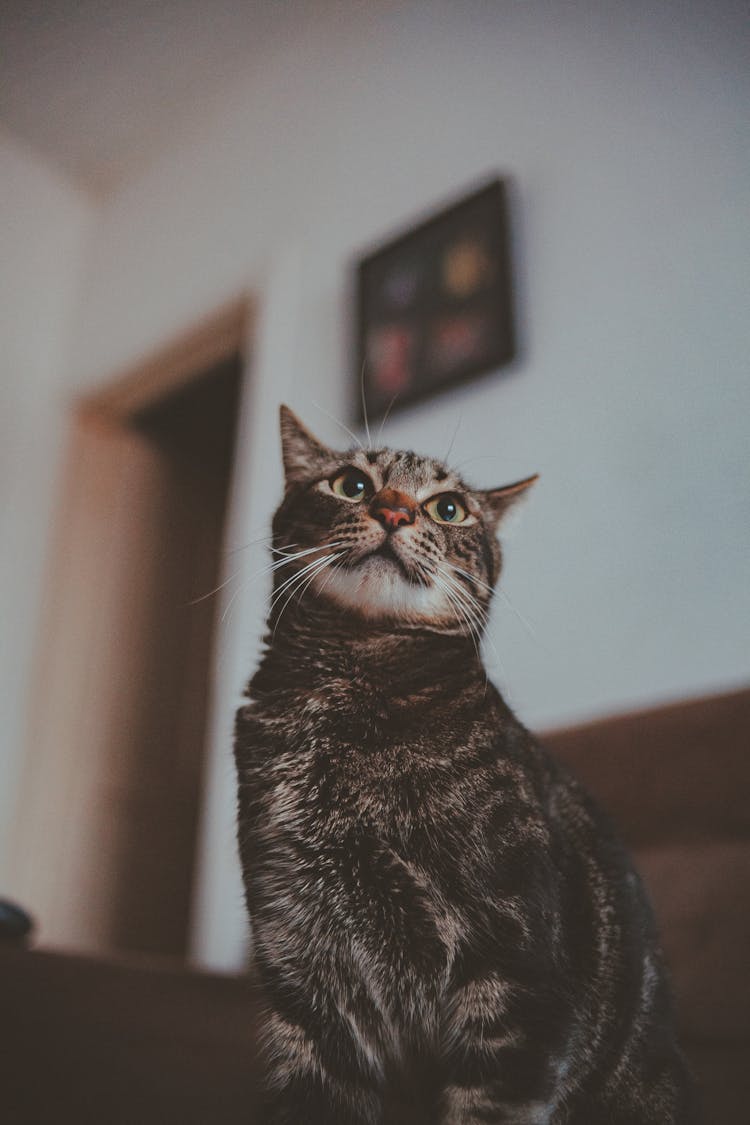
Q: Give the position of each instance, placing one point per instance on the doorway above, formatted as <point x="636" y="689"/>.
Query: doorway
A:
<point x="113" y="791"/>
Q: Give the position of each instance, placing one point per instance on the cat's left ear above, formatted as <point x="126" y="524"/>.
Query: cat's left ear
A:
<point x="302" y="453"/>
<point x="500" y="500"/>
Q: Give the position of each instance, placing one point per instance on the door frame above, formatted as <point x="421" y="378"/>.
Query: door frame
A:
<point x="59" y="871"/>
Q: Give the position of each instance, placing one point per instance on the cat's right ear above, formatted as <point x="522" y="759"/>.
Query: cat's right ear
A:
<point x="302" y="453"/>
<point x="500" y="500"/>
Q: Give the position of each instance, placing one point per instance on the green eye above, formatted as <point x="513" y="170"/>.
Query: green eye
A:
<point x="351" y="485"/>
<point x="446" y="509"/>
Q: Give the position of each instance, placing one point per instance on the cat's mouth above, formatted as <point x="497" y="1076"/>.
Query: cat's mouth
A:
<point x="385" y="553"/>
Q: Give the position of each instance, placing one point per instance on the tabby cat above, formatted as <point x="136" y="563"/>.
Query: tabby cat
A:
<point x="445" y="929"/>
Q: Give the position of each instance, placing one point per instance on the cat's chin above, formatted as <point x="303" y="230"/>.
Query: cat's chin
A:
<point x="379" y="587"/>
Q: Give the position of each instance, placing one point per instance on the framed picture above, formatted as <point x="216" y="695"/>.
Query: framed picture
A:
<point x="434" y="306"/>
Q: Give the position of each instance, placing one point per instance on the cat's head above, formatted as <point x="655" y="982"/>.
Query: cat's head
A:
<point x="386" y="535"/>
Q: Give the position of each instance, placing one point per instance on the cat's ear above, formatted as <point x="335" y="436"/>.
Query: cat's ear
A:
<point x="500" y="500"/>
<point x="301" y="452"/>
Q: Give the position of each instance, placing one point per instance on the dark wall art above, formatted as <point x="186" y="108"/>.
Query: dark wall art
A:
<point x="435" y="304"/>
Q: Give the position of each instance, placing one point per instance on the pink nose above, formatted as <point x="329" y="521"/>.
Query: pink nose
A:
<point x="392" y="517"/>
<point x="392" y="509"/>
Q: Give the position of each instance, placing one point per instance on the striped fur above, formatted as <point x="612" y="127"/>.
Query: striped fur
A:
<point x="445" y="928"/>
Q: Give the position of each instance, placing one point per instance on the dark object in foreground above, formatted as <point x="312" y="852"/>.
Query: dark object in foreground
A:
<point x="16" y="926"/>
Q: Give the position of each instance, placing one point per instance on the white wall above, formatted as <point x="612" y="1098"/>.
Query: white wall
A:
<point x="43" y="227"/>
<point x="621" y="125"/>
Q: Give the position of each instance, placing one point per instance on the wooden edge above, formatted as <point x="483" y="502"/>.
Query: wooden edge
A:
<point x="680" y="711"/>
<point x="171" y="367"/>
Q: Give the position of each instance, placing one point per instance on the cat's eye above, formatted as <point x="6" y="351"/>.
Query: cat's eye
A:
<point x="351" y="485"/>
<point x="446" y="509"/>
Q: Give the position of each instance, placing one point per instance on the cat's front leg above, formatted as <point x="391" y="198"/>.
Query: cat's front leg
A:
<point x="305" y="1082"/>
<point x="469" y="1099"/>
<point x="496" y="1069"/>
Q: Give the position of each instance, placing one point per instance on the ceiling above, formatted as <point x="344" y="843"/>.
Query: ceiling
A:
<point x="97" y="85"/>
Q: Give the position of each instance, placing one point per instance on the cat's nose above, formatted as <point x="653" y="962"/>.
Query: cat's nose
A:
<point x="393" y="509"/>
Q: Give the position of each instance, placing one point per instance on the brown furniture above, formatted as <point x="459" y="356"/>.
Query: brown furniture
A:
<point x="676" y="780"/>
<point x="88" y="1042"/>
<point x="92" y="1042"/>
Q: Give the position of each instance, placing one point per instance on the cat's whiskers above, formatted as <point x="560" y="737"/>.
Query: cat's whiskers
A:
<point x="276" y="564"/>
<point x="478" y="614"/>
<point x="473" y="630"/>
<point x="240" y="589"/>
<point x="472" y="577"/>
<point x="237" y="573"/>
<point x="447" y="453"/>
<point x="459" y="609"/>
<point x="496" y="590"/>
<point x="231" y="577"/>
<point x="454" y="605"/>
<point x="470" y="460"/>
<point x="270" y="568"/>
<point x="296" y="585"/>
<point x="210" y="594"/>
<point x="492" y="590"/>
<point x="429" y="573"/>
<point x="279" y="564"/>
<point x="304" y="579"/>
<point x="294" y="555"/>
<point x="473" y="606"/>
<point x="385" y="417"/>
<point x="526" y="624"/>
<point x="248" y="545"/>
<point x="480" y="610"/>
<point x="287" y="550"/>
<point x="334" y="570"/>
<point x="364" y="402"/>
<point x="329" y="561"/>
<point x="299" y="574"/>
<point x="346" y="429"/>
<point x="243" y="585"/>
